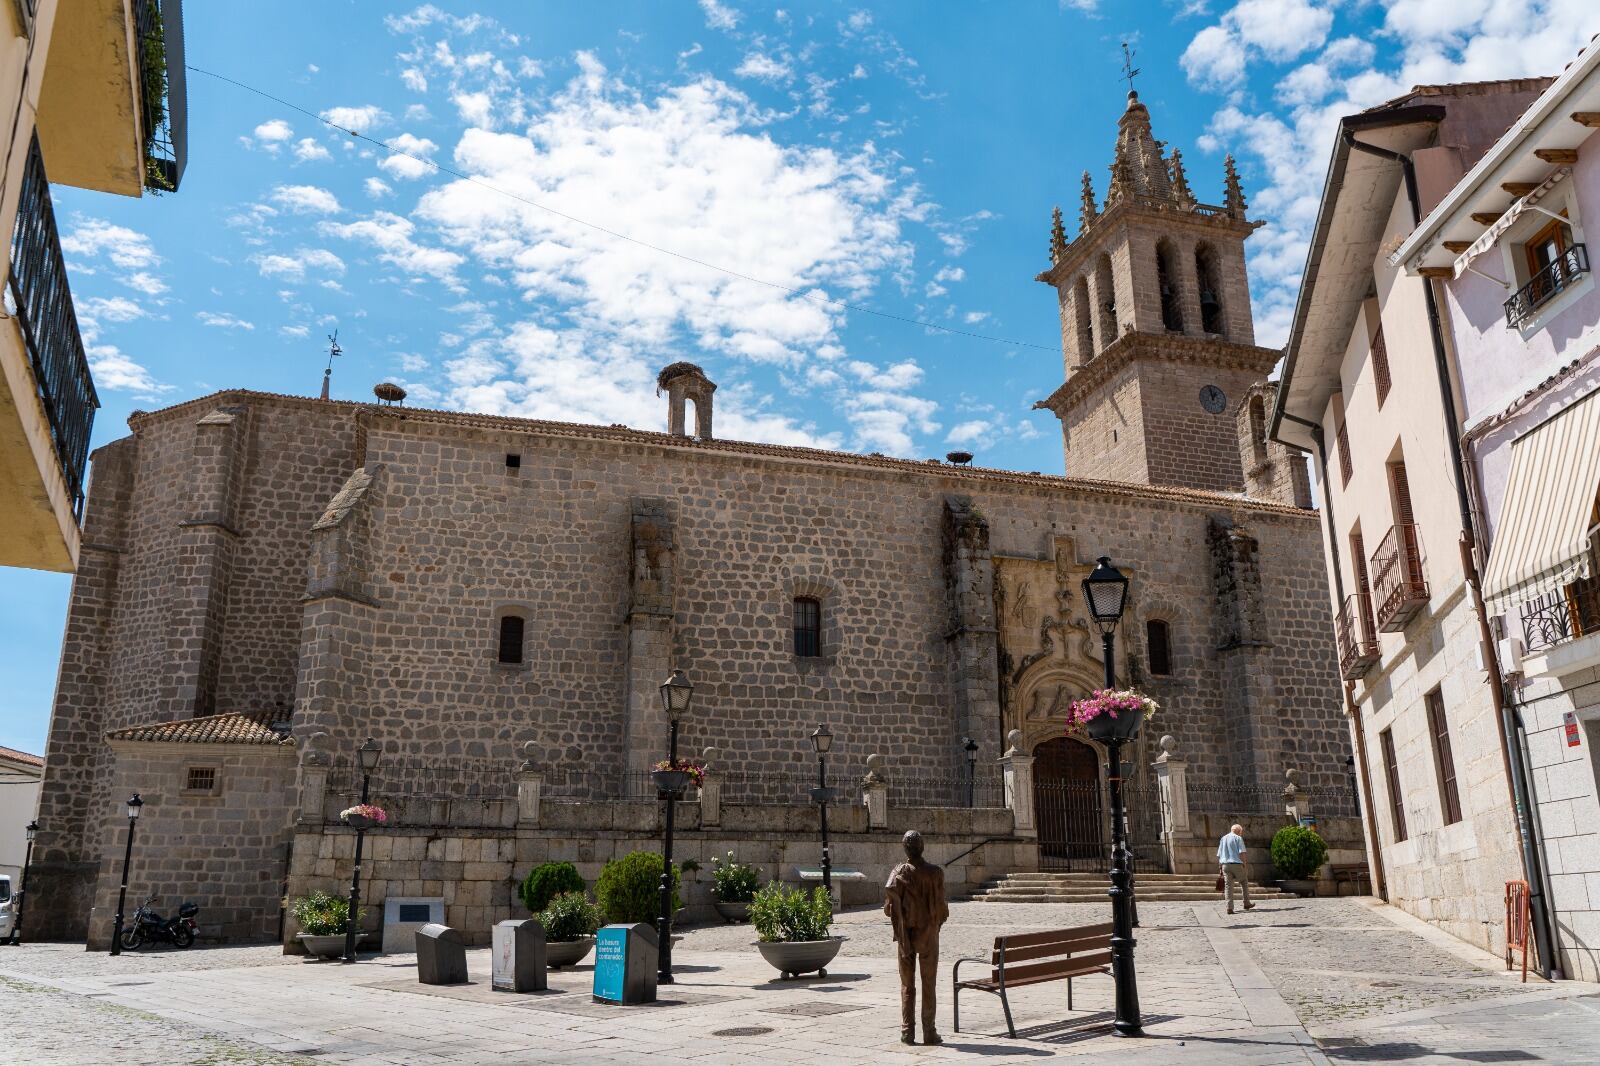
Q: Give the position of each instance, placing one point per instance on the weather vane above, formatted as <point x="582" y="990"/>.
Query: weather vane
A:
<point x="1129" y="71"/>
<point x="333" y="351"/>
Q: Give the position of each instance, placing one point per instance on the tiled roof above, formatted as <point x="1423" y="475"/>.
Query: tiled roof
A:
<point x="13" y="755"/>
<point x="255" y="728"/>
<point x="624" y="434"/>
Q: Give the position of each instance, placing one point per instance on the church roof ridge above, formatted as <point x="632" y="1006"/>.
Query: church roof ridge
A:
<point x="618" y="433"/>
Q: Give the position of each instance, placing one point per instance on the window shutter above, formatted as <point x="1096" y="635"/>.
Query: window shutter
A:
<point x="1345" y="467"/>
<point x="1402" y="493"/>
<point x="1380" y="365"/>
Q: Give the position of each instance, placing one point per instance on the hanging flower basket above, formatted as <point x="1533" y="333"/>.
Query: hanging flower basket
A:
<point x="363" y="816"/>
<point x="670" y="783"/>
<point x="1111" y="714"/>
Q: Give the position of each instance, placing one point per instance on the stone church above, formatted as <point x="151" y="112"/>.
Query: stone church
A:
<point x="267" y="580"/>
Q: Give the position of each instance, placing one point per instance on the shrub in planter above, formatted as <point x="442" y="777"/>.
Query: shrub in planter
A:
<point x="629" y="888"/>
<point x="733" y="882"/>
<point x="546" y="881"/>
<point x="789" y="914"/>
<point x="570" y="916"/>
<point x="322" y="914"/>
<point x="1297" y="852"/>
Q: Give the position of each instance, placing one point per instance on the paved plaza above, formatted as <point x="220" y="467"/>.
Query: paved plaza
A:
<point x="1295" y="981"/>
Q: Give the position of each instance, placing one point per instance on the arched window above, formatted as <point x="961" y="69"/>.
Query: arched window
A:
<point x="1158" y="642"/>
<point x="1258" y="429"/>
<point x="1167" y="278"/>
<point x="1083" y="312"/>
<point x="1105" y="294"/>
<point x="1206" y="276"/>
<point x="512" y="629"/>
<point x="807" y="627"/>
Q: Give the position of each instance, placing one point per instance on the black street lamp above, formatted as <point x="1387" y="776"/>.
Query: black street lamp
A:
<point x="822" y="795"/>
<point x="970" y="747"/>
<point x="22" y="892"/>
<point x="1105" y="593"/>
<point x="676" y="691"/>
<point x="1355" y="790"/>
<point x="127" y="857"/>
<point x="369" y="754"/>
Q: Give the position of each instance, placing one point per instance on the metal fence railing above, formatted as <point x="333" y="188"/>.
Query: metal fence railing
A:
<point x="1246" y="799"/>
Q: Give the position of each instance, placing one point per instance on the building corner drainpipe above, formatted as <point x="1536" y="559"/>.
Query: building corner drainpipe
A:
<point x="1380" y="883"/>
<point x="1531" y="846"/>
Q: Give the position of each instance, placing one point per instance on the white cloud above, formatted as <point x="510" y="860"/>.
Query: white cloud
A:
<point x="109" y="309"/>
<point x="223" y="321"/>
<point x="406" y="166"/>
<point x="719" y="16"/>
<point x="394" y="238"/>
<point x="414" y="80"/>
<point x="765" y="68"/>
<point x="297" y="332"/>
<point x="972" y="318"/>
<point x="143" y="281"/>
<point x="360" y="119"/>
<point x="127" y="249"/>
<point x="294" y="268"/>
<point x="973" y="431"/>
<point x="377" y="188"/>
<point x="1277" y="30"/>
<point x="306" y="200"/>
<point x="270" y="136"/>
<point x="1088" y="7"/>
<point x="307" y="149"/>
<point x="114" y="370"/>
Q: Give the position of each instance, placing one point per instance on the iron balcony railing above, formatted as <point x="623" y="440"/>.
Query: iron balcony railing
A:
<point x="1547" y="284"/>
<point x="1562" y="615"/>
<point x="1356" y="638"/>
<point x="1398" y="584"/>
<point x="42" y="304"/>
<point x="160" y="96"/>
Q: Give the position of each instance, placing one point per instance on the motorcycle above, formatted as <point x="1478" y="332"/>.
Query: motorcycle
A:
<point x="148" y="927"/>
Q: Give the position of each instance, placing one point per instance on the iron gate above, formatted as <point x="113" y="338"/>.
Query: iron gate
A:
<point x="1074" y="823"/>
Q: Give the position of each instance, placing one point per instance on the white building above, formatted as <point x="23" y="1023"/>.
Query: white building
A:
<point x="20" y="774"/>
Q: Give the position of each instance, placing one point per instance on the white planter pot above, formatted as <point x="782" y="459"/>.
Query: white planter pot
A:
<point x="327" y="946"/>
<point x="794" y="957"/>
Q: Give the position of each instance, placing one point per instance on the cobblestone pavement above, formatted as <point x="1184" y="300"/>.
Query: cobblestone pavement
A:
<point x="1315" y="982"/>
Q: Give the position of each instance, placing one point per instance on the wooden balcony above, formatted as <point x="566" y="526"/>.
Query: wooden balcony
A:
<point x="1357" y="640"/>
<point x="1399" y="587"/>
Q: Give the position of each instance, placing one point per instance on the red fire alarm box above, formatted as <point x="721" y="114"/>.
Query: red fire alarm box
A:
<point x="1570" y="721"/>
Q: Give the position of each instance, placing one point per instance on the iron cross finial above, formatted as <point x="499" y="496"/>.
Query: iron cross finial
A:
<point x="1129" y="71"/>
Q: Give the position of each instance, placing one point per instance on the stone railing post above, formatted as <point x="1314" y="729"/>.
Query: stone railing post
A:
<point x="710" y="792"/>
<point x="530" y="786"/>
<point x="875" y="793"/>
<point x="314" y="762"/>
<point x="1296" y="804"/>
<point x="1016" y="771"/>
<point x="1174" y="789"/>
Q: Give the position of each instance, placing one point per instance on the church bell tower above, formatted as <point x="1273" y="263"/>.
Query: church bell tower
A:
<point x="1156" y="330"/>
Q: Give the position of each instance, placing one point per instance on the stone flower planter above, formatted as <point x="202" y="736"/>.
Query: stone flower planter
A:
<point x="568" y="952"/>
<point x="791" y="958"/>
<point x="1104" y="727"/>
<point x="734" y="911"/>
<point x="1300" y="888"/>
<point x="327" y="946"/>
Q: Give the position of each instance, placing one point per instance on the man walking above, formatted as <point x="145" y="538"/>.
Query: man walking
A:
<point x="914" y="901"/>
<point x="1230" y="856"/>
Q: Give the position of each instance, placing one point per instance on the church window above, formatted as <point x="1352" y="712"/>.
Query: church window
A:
<point x="513" y="461"/>
<point x="807" y="627"/>
<point x="1205" y="273"/>
<point x="512" y="629"/>
<point x="1105" y="294"/>
<point x="1083" y="312"/>
<point x="200" y="779"/>
<point x="1158" y="646"/>
<point x="1258" y="429"/>
<point x="1167" y="278"/>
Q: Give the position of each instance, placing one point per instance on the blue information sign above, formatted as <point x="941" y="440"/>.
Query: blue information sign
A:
<point x="610" y="963"/>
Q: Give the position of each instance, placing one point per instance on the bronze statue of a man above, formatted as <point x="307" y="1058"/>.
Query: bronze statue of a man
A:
<point x="914" y="901"/>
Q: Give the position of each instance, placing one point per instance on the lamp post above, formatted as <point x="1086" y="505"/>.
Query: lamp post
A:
<point x="822" y="795"/>
<point x="970" y="747"/>
<point x="1355" y="790"/>
<point x="369" y="754"/>
<point x="1105" y="593"/>
<point x="676" y="691"/>
<point x="134" y="805"/>
<point x="22" y="892"/>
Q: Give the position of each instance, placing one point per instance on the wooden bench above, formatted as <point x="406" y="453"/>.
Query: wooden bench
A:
<point x="1351" y="873"/>
<point x="1033" y="959"/>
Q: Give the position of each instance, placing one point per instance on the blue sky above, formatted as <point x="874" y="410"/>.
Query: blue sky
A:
<point x="898" y="157"/>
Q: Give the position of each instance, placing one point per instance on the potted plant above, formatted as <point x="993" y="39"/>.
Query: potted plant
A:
<point x="1297" y="853"/>
<point x="321" y="917"/>
<point x="629" y="888"/>
<point x="793" y="929"/>
<point x="1111" y="714"/>
<point x="733" y="886"/>
<point x="547" y="881"/>
<point x="672" y="778"/>
<point x="569" y="923"/>
<point x="363" y="816"/>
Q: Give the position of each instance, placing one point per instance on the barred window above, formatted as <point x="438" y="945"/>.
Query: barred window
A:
<point x="807" y="627"/>
<point x="1158" y="642"/>
<point x="512" y="627"/>
<point x="200" y="779"/>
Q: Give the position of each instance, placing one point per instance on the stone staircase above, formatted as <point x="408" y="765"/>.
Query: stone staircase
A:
<point x="1052" y="887"/>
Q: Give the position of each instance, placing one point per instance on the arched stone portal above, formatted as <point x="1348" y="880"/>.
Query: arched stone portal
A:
<point x="1067" y="804"/>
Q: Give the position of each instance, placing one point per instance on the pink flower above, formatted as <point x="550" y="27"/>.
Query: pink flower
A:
<point x="1113" y="702"/>
<point x="377" y="814"/>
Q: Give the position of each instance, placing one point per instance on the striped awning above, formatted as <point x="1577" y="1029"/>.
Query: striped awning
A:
<point x="1546" y="517"/>
<point x="1497" y="229"/>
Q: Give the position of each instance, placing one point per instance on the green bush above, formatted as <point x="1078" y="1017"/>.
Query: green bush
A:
<point x="322" y="913"/>
<point x="629" y="889"/>
<point x="546" y="881"/>
<point x="788" y="914"/>
<point x="733" y="882"/>
<point x="568" y="917"/>
<point x="1297" y="852"/>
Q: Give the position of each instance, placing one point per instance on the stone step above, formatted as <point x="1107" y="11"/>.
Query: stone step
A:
<point x="1073" y="897"/>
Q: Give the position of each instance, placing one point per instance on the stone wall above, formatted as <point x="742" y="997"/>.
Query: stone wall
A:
<point x="225" y="849"/>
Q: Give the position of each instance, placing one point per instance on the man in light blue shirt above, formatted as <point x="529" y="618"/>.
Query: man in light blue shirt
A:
<point x="1230" y="856"/>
